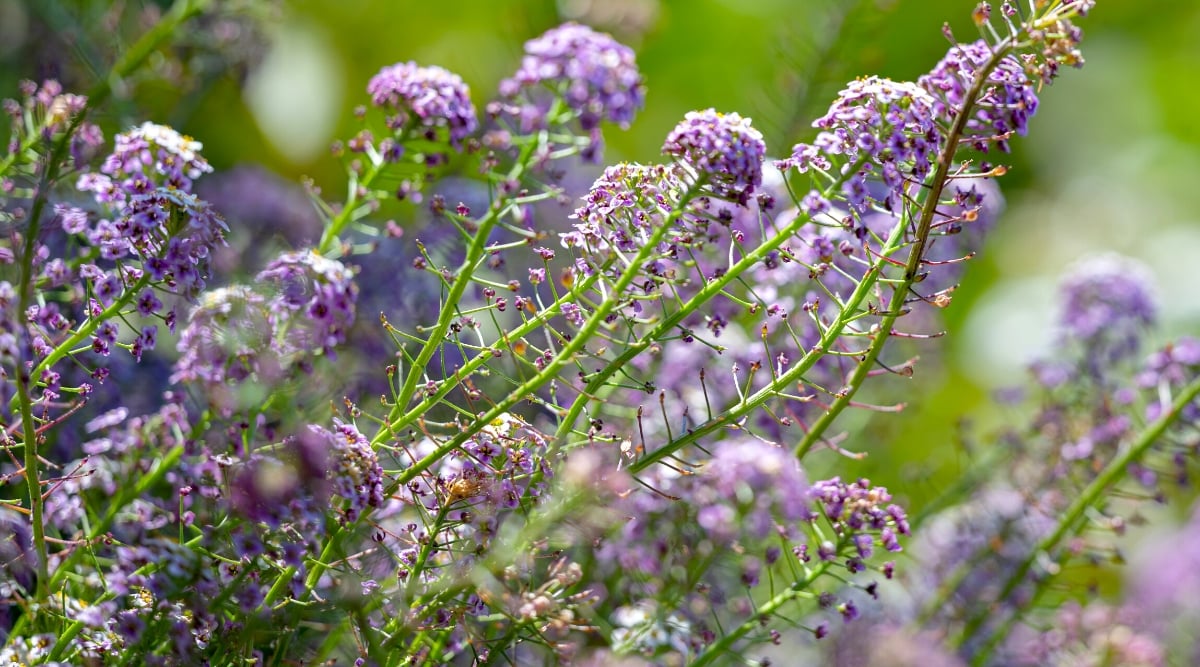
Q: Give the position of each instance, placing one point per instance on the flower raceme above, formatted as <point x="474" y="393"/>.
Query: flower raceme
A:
<point x="752" y="299"/>
<point x="425" y="97"/>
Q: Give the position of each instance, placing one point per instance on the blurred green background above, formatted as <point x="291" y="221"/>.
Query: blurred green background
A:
<point x="1112" y="163"/>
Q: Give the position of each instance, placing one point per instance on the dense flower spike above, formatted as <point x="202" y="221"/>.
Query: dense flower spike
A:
<point x="354" y="467"/>
<point x="1107" y="304"/>
<point x="1008" y="101"/>
<point x="228" y="338"/>
<point x="860" y="514"/>
<point x="427" y="97"/>
<point x="147" y="181"/>
<point x="146" y="157"/>
<point x="722" y="149"/>
<point x="623" y="207"/>
<point x="593" y="75"/>
<point x="597" y="74"/>
<point x="888" y="128"/>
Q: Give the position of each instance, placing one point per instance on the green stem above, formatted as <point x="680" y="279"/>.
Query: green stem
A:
<point x="548" y="372"/>
<point x="330" y="236"/>
<point x="916" y="255"/>
<point x="1071" y="518"/>
<point x="722" y="646"/>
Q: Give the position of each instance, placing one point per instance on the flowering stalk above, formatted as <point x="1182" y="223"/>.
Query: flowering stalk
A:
<point x="130" y="61"/>
<point x="900" y="294"/>
<point x="517" y="395"/>
<point x="1069" y="523"/>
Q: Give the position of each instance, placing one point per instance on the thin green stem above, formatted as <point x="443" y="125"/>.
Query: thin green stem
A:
<point x="1071" y="518"/>
<point x="916" y="256"/>
<point x="722" y="646"/>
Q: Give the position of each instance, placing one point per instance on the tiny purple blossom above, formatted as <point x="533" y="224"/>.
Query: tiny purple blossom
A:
<point x="429" y="97"/>
<point x="723" y="149"/>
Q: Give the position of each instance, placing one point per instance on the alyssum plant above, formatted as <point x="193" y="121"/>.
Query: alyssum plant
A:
<point x="591" y="451"/>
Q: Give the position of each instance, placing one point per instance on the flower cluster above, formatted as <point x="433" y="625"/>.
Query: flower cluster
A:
<point x="722" y="149"/>
<point x="498" y="465"/>
<point x="45" y="111"/>
<point x="622" y="209"/>
<point x="1007" y="103"/>
<point x="886" y="130"/>
<point x="1106" y="307"/>
<point x="598" y="75"/>
<point x="424" y="97"/>
<point x="314" y="304"/>
<point x="355" y="471"/>
<point x="227" y="338"/>
<point x="749" y="492"/>
<point x="147" y="181"/>
<point x="861" y="516"/>
<point x="593" y="75"/>
<point x="755" y="489"/>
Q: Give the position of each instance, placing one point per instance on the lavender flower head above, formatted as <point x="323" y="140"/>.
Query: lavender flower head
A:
<point x="315" y="305"/>
<point x="598" y="74"/>
<point x="623" y="207"/>
<point x="227" y="334"/>
<point x="595" y="76"/>
<point x="146" y="182"/>
<point x="1106" y="304"/>
<point x="723" y="149"/>
<point x="890" y="125"/>
<point x="753" y="488"/>
<point x="431" y="97"/>
<point x="355" y="470"/>
<point x="1004" y="108"/>
<point x="144" y="158"/>
<point x="860" y="514"/>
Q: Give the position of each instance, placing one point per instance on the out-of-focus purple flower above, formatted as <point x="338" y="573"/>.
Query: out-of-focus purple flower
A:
<point x="1106" y="305"/>
<point x="761" y="485"/>
<point x="1173" y="366"/>
<point x="1008" y="101"/>
<point x="429" y="97"/>
<point x="723" y="149"/>
<point x="1094" y="634"/>
<point x="1176" y="364"/>
<point x="228" y="338"/>
<point x="17" y="565"/>
<point x="315" y="303"/>
<point x="595" y="76"/>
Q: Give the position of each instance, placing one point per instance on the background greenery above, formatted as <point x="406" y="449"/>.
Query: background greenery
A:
<point x="1111" y="163"/>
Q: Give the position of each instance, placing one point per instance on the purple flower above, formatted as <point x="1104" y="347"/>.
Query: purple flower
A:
<point x="595" y="76"/>
<point x="315" y="305"/>
<point x="623" y="208"/>
<point x="1106" y="305"/>
<point x="146" y="157"/>
<point x="429" y="97"/>
<point x="355" y="471"/>
<point x="891" y="126"/>
<point x="598" y="75"/>
<point x="723" y="149"/>
<point x="227" y="336"/>
<point x="1008" y="101"/>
